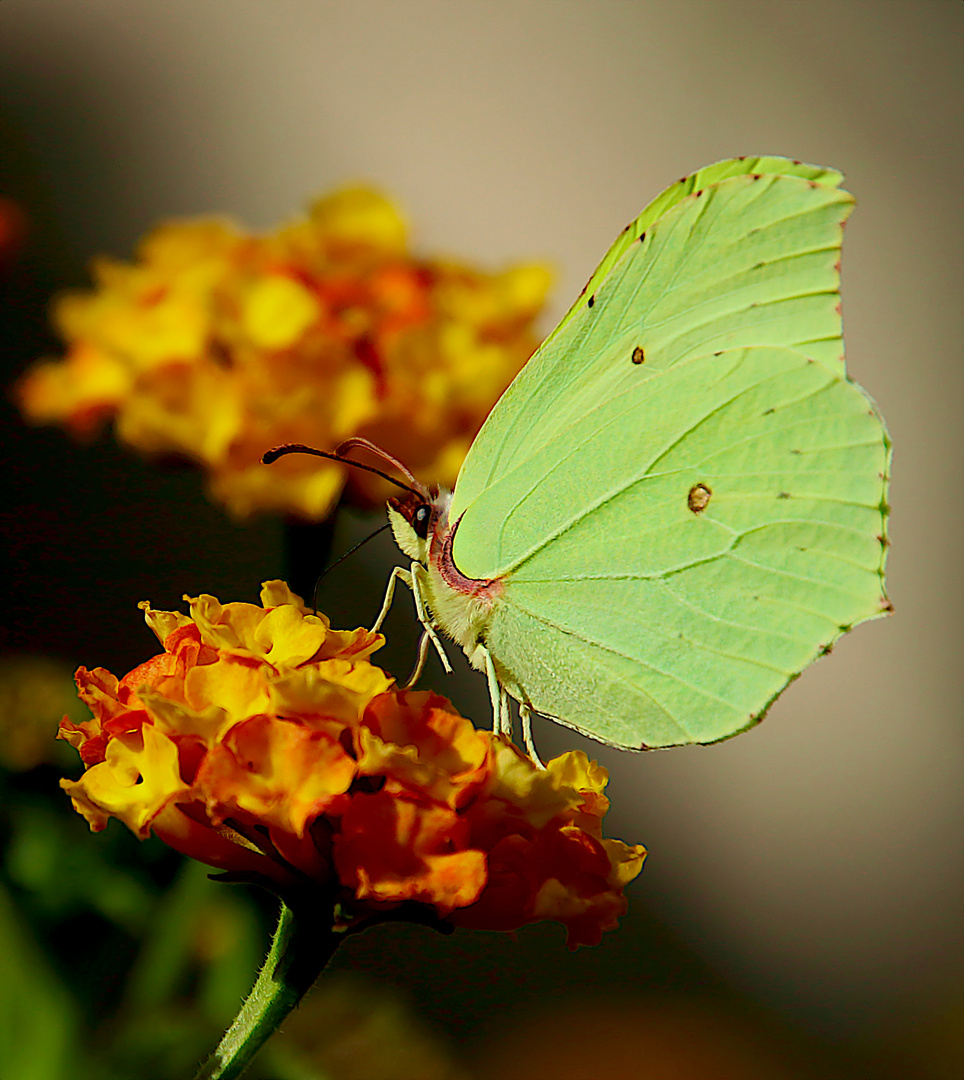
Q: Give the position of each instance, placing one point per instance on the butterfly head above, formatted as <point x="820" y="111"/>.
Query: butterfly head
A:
<point x="418" y="519"/>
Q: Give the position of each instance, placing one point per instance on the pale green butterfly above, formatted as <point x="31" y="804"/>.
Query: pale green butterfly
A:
<point x="680" y="502"/>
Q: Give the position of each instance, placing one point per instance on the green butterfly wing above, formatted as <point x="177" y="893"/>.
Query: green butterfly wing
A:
<point x="682" y="491"/>
<point x="749" y="260"/>
<point x="712" y="174"/>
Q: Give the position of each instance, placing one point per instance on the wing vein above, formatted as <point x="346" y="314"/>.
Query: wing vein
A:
<point x="632" y="659"/>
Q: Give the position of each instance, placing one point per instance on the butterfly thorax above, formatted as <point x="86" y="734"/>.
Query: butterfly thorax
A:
<point x="461" y="606"/>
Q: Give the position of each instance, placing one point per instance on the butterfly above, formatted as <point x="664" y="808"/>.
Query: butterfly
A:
<point x="680" y="501"/>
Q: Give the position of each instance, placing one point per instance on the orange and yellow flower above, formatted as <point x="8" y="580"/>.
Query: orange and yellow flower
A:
<point x="265" y="743"/>
<point x="215" y="345"/>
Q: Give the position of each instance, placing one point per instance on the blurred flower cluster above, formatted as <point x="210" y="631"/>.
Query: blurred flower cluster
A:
<point x="215" y="345"/>
<point x="265" y="743"/>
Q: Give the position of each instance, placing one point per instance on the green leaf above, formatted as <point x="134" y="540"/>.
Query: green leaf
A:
<point x="38" y="1016"/>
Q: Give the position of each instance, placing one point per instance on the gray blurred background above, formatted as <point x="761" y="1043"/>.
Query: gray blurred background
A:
<point x="813" y="865"/>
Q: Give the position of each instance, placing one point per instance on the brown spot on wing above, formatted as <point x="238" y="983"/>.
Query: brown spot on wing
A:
<point x="698" y="498"/>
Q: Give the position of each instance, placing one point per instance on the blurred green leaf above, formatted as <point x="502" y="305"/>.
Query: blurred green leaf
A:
<point x="167" y="951"/>
<point x="199" y="955"/>
<point x="38" y="1017"/>
<point x="201" y="934"/>
<point x="54" y="856"/>
<point x="234" y="946"/>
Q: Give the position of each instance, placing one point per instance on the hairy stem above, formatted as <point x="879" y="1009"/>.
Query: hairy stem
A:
<point x="301" y="947"/>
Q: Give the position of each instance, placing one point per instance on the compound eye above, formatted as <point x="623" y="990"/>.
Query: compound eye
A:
<point x="420" y="521"/>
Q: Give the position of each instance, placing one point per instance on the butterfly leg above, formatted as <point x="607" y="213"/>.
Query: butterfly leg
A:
<point x="423" y="642"/>
<point x="525" y="715"/>
<point x="505" y="716"/>
<point x="416" y="576"/>
<point x="398" y="574"/>
<point x="495" y="691"/>
<point x="412" y="578"/>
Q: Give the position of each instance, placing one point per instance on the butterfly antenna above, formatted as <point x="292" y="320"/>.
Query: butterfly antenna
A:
<point x="341" y="559"/>
<point x="365" y="444"/>
<point x="272" y="455"/>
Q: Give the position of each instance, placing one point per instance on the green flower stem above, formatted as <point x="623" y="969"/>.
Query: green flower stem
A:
<point x="302" y="945"/>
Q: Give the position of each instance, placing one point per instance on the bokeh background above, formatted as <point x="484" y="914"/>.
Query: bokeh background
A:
<point x="800" y="912"/>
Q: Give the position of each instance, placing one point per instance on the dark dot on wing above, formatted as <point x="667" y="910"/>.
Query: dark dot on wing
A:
<point x="796" y="162"/>
<point x="796" y="451"/>
<point x="768" y="411"/>
<point x="592" y="300"/>
<point x="784" y="495"/>
<point x="886" y="606"/>
<point x="824" y="649"/>
<point x="638" y="355"/>
<point x="642" y="237"/>
<point x="699" y="193"/>
<point x="698" y="498"/>
<point x="755" y="176"/>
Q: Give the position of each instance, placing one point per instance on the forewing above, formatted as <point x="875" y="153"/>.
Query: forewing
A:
<point x="747" y="260"/>
<point x="672" y="560"/>
<point x="703" y="178"/>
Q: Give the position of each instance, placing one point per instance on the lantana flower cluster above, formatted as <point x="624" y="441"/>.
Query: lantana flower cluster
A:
<point x="266" y="744"/>
<point x="216" y="344"/>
